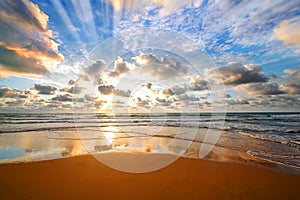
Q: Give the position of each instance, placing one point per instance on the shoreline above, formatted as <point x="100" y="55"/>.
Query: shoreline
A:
<point x="231" y="157"/>
<point x="85" y="177"/>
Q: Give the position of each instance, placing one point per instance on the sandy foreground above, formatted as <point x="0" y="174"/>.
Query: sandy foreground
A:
<point x="84" y="177"/>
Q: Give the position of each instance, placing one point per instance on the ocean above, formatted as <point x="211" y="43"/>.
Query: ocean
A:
<point x="268" y="139"/>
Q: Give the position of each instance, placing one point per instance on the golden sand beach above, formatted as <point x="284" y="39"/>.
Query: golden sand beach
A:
<point x="84" y="177"/>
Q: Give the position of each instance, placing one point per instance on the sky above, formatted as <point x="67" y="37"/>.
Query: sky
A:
<point x="149" y="55"/>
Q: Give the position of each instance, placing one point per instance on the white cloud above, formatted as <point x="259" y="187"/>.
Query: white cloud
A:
<point x="167" y="6"/>
<point x="292" y="81"/>
<point x="26" y="44"/>
<point x="121" y="67"/>
<point x="288" y="32"/>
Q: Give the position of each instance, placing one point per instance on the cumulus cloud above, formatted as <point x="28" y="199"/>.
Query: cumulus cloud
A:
<point x="18" y="102"/>
<point x="120" y="67"/>
<point x="26" y="43"/>
<point x="73" y="90"/>
<point x="287" y="102"/>
<point x="257" y="89"/>
<point x="185" y="97"/>
<point x="90" y="97"/>
<point x="6" y="92"/>
<point x="197" y="83"/>
<point x="65" y="97"/>
<point x="167" y="92"/>
<point x="164" y="68"/>
<point x="106" y="89"/>
<point x="109" y="89"/>
<point x="143" y="103"/>
<point x="238" y="101"/>
<point x="291" y="88"/>
<point x="288" y="32"/>
<point x="292" y="85"/>
<point x="122" y="93"/>
<point x="94" y="72"/>
<point x="45" y="89"/>
<point x="237" y="73"/>
<point x="163" y="102"/>
<point x="178" y="90"/>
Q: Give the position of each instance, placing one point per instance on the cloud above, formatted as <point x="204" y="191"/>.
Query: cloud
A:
<point x="94" y="71"/>
<point x="238" y="101"/>
<point x="6" y="92"/>
<point x="288" y="102"/>
<point x="167" y="92"/>
<point x="118" y="5"/>
<point x="163" y="102"/>
<point x="26" y="44"/>
<point x="143" y="103"/>
<point x="106" y="89"/>
<point x="178" y="90"/>
<point x="122" y="93"/>
<point x="109" y="89"/>
<point x="90" y="98"/>
<point x="288" y="32"/>
<point x="197" y="83"/>
<point x="71" y="82"/>
<point x="14" y="103"/>
<point x="223" y="95"/>
<point x="166" y="6"/>
<point x="72" y="90"/>
<point x="292" y="85"/>
<point x="291" y="88"/>
<point x="45" y="89"/>
<point x="257" y="89"/>
<point x="237" y="73"/>
<point x="120" y="67"/>
<point x="170" y="6"/>
<point x="185" y="97"/>
<point x="65" y="97"/>
<point x="164" y="68"/>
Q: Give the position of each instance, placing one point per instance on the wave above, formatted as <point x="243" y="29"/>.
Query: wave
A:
<point x="284" y="142"/>
<point x="277" y="159"/>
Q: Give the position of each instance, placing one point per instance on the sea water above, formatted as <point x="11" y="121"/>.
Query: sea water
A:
<point x="249" y="137"/>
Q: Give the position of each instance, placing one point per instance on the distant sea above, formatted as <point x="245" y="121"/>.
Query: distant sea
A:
<point x="260" y="138"/>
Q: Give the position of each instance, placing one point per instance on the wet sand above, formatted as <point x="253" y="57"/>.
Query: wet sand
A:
<point x="84" y="177"/>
